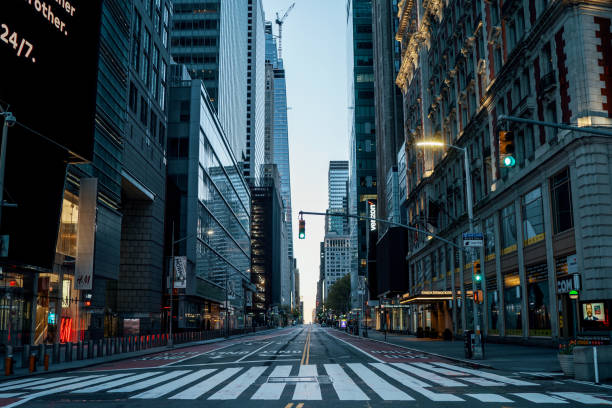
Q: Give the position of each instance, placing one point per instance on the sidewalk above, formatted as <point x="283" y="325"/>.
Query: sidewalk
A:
<point x="505" y="357"/>
<point x="78" y="364"/>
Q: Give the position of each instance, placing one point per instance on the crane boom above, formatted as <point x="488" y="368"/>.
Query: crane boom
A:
<point x="280" y="21"/>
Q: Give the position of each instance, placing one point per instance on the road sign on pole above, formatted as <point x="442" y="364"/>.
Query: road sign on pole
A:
<point x="475" y="239"/>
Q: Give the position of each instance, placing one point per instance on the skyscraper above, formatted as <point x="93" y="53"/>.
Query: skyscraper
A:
<point x="338" y="175"/>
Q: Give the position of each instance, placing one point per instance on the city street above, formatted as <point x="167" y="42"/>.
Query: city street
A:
<point x="302" y="367"/>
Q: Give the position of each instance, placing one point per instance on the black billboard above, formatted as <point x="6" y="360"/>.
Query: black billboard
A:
<point x="49" y="60"/>
<point x="48" y="80"/>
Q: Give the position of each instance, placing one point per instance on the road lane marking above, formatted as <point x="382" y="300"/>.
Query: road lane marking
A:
<point x="385" y="390"/>
<point x="250" y="354"/>
<point x="10" y="394"/>
<point x="153" y="381"/>
<point x="289" y="405"/>
<point x="485" y="374"/>
<point x="415" y="384"/>
<point x="346" y="388"/>
<point x="582" y="398"/>
<point x="307" y="390"/>
<point x="483" y="382"/>
<point x="207" y="385"/>
<point x="199" y="355"/>
<point x="540" y="398"/>
<point x="306" y="346"/>
<point x="244" y="362"/>
<point x="355" y="347"/>
<point x="435" y="378"/>
<point x="439" y="369"/>
<point x="116" y="383"/>
<point x="239" y="385"/>
<point x="48" y="385"/>
<point x="273" y="391"/>
<point x="30" y="382"/>
<point x="173" y="385"/>
<point x="489" y="398"/>
<point x="300" y="405"/>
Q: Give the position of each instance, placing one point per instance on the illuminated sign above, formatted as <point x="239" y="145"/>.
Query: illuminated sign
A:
<point x="49" y="54"/>
<point x="372" y="206"/>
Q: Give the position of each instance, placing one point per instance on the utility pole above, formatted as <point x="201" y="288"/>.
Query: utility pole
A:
<point x="9" y="121"/>
<point x="170" y="340"/>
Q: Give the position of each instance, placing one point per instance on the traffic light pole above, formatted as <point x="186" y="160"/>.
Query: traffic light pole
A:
<point x="593" y="131"/>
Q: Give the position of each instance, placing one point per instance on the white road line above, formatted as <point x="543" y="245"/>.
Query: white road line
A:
<point x="346" y="388"/>
<point x="435" y="378"/>
<point x="206" y="385"/>
<point x="10" y="394"/>
<point x="48" y="385"/>
<point x="23" y="380"/>
<point x="239" y="385"/>
<point x="489" y="398"/>
<point x="244" y="362"/>
<point x="385" y="390"/>
<point x="591" y="383"/>
<point x="30" y="382"/>
<point x="439" y="369"/>
<point x="198" y="355"/>
<point x="540" y="398"/>
<point x="414" y="384"/>
<point x="307" y="390"/>
<point x="68" y="387"/>
<point x="355" y="347"/>
<point x="144" y="384"/>
<point x="173" y="385"/>
<point x="483" y="382"/>
<point x="116" y="383"/>
<point x="582" y="398"/>
<point x="250" y="354"/>
<point x="273" y="391"/>
<point x="485" y="374"/>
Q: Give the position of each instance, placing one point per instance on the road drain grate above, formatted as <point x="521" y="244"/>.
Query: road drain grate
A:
<point x="321" y="379"/>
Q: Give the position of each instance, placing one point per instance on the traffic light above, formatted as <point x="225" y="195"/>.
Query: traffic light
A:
<point x="478" y="296"/>
<point x="477" y="272"/>
<point x="506" y="148"/>
<point x="302" y="233"/>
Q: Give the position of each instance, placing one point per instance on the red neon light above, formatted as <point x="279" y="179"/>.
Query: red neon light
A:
<point x="12" y="283"/>
<point x="66" y="330"/>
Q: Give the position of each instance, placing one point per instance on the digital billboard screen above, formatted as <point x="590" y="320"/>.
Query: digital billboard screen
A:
<point x="49" y="57"/>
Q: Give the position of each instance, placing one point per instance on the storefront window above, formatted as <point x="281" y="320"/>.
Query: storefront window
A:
<point x="561" y="198"/>
<point x="533" y="217"/>
<point x="538" y="300"/>
<point x="493" y="301"/>
<point x="489" y="238"/>
<point x="508" y="229"/>
<point x="67" y="239"/>
<point x="512" y="305"/>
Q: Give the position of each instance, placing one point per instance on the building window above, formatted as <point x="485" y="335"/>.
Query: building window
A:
<point x="512" y="304"/>
<point x="144" y="111"/>
<point x="493" y="304"/>
<point x="561" y="198"/>
<point x="533" y="217"/>
<point x="538" y="300"/>
<point x="133" y="98"/>
<point x="508" y="229"/>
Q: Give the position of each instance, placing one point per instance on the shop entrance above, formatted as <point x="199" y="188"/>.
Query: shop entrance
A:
<point x="567" y="316"/>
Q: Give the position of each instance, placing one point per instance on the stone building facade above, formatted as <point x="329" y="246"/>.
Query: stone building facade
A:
<point x="464" y="63"/>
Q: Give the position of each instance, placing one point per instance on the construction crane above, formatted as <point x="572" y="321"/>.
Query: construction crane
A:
<point x="280" y="21"/>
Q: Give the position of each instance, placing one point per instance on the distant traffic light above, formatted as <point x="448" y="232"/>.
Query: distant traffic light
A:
<point x="302" y="233"/>
<point x="478" y="297"/>
<point x="477" y="272"/>
<point x="506" y="148"/>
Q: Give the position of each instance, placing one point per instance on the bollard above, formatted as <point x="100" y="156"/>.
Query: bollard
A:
<point x="8" y="361"/>
<point x="32" y="362"/>
<point x="595" y="365"/>
<point x="41" y="354"/>
<point x="99" y="350"/>
<point x="46" y="362"/>
<point x="56" y="353"/>
<point x="25" y="355"/>
<point x="79" y="355"/>
<point x="68" y="352"/>
<point x="90" y="350"/>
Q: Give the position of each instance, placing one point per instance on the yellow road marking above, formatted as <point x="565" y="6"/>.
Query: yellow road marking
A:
<point x="308" y="350"/>
<point x="289" y="405"/>
<point x="306" y="347"/>
<point x="300" y="405"/>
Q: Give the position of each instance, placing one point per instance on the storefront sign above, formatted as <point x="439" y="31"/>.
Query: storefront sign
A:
<point x="572" y="264"/>
<point x="565" y="285"/>
<point x="180" y="272"/>
<point x="86" y="234"/>
<point x="592" y="340"/>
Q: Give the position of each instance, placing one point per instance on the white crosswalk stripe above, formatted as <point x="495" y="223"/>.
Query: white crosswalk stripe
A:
<point x="239" y="385"/>
<point x="435" y="378"/>
<point x="273" y="390"/>
<point x="29" y="383"/>
<point x="153" y="381"/>
<point x="385" y="390"/>
<point x="307" y="390"/>
<point x="116" y="383"/>
<point x="48" y="385"/>
<point x="174" y="385"/>
<point x="439" y="370"/>
<point x="203" y="387"/>
<point x="483" y="382"/>
<point x="582" y="398"/>
<point x="346" y="388"/>
<point x="484" y="374"/>
<point x="539" y="398"/>
<point x="489" y="398"/>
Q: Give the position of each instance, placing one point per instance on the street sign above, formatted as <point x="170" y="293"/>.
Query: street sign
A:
<point x="475" y="239"/>
<point x="572" y="264"/>
<point x="180" y="272"/>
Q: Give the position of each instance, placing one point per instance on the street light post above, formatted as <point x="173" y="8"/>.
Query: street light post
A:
<point x="9" y="121"/>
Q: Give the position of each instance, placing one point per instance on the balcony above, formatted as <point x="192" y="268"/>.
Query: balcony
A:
<point x="548" y="83"/>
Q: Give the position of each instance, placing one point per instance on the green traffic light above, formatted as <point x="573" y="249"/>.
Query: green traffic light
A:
<point x="477" y="278"/>
<point x="302" y="235"/>
<point x="509" y="161"/>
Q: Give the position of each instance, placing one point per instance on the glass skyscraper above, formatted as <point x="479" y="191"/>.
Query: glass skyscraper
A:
<point x="337" y="195"/>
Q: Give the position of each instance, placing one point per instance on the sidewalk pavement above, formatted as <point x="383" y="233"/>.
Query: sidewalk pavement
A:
<point x="505" y="357"/>
<point x="78" y="364"/>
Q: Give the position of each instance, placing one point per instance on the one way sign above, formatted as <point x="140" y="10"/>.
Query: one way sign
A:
<point x="474" y="239"/>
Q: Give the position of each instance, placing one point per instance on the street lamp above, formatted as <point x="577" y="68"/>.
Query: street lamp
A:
<point x="470" y="208"/>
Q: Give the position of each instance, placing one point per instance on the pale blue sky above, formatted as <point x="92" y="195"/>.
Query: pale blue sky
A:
<point x="314" y="53"/>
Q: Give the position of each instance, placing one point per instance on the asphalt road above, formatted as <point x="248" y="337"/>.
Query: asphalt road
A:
<point x="300" y="367"/>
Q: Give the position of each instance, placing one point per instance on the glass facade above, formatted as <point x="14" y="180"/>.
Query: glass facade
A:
<point x="337" y="179"/>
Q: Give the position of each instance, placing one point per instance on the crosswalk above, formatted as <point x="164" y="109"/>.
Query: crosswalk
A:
<point x="433" y="381"/>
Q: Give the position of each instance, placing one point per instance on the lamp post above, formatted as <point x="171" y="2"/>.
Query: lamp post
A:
<point x="478" y="352"/>
<point x="9" y="121"/>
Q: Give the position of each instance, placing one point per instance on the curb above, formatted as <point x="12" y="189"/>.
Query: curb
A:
<point x="459" y="360"/>
<point x="121" y="357"/>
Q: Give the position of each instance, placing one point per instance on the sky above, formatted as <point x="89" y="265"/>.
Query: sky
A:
<point x="314" y="54"/>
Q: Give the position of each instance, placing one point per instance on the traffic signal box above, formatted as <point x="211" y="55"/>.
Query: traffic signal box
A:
<point x="302" y="233"/>
<point x="477" y="272"/>
<point x="478" y="297"/>
<point x="506" y="148"/>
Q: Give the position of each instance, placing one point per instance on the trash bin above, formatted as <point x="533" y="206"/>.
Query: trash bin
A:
<point x="467" y="343"/>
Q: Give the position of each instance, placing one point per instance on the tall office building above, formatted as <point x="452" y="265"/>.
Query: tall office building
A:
<point x="337" y="260"/>
<point x="337" y="179"/>
<point x="362" y="149"/>
<point x="255" y="92"/>
<point x="211" y="39"/>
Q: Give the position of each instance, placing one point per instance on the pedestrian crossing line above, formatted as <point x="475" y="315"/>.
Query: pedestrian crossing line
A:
<point x="273" y="391"/>
<point x="31" y="382"/>
<point x="346" y="388"/>
<point x="21" y="381"/>
<point x="203" y="387"/>
<point x="414" y="384"/>
<point x="539" y="398"/>
<point x="582" y="398"/>
<point x="174" y="385"/>
<point x="435" y="378"/>
<point x="70" y="380"/>
<point x="153" y="381"/>
<point x="440" y="370"/>
<point x="307" y="390"/>
<point x="10" y="394"/>
<point x="489" y="398"/>
<point x="484" y="374"/>
<point x="483" y="382"/>
<point x="116" y="383"/>
<point x="239" y="385"/>
<point x="381" y="387"/>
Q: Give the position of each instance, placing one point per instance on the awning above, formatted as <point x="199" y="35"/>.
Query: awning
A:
<point x="427" y="296"/>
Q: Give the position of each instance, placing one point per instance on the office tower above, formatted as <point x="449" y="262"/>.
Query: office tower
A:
<point x="337" y="260"/>
<point x="337" y="178"/>
<point x="211" y="39"/>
